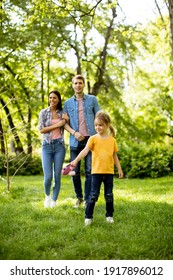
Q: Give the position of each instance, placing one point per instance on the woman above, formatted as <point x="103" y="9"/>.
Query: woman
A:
<point x="53" y="149"/>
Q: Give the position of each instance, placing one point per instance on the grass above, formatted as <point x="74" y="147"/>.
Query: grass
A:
<point x="143" y="227"/>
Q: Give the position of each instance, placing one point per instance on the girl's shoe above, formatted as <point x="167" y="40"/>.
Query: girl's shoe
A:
<point x="110" y="220"/>
<point x="68" y="170"/>
<point x="88" y="222"/>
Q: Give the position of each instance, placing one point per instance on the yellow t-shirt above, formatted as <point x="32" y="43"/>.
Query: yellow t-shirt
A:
<point x="103" y="151"/>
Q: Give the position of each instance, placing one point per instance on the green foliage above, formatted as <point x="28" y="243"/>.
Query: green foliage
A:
<point x="146" y="161"/>
<point x="143" y="228"/>
<point x="138" y="161"/>
<point x="24" y="165"/>
<point x="42" y="44"/>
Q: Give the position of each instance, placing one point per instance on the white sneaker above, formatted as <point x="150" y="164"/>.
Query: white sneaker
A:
<point x="53" y="204"/>
<point x="88" y="222"/>
<point x="47" y="201"/>
<point x="110" y="220"/>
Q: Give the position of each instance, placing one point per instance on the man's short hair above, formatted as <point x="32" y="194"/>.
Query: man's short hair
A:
<point x="80" y="77"/>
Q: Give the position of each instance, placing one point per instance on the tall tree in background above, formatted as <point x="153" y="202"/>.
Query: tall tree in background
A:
<point x="37" y="38"/>
<point x="171" y="21"/>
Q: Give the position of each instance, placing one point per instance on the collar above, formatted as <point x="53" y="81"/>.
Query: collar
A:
<point x="83" y="97"/>
<point x="57" y="110"/>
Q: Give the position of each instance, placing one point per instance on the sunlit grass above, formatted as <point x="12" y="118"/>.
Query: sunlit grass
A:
<point x="143" y="227"/>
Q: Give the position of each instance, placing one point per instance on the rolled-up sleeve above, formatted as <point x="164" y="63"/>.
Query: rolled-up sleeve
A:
<point x="41" y="120"/>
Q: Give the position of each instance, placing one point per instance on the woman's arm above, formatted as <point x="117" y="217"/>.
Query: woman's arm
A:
<point x="52" y="127"/>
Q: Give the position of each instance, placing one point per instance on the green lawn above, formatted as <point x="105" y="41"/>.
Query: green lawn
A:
<point x="143" y="227"/>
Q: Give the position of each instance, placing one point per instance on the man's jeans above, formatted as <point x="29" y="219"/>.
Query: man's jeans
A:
<point x="74" y="151"/>
<point x="52" y="160"/>
<point x="96" y="181"/>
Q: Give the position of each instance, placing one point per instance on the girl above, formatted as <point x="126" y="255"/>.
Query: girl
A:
<point x="53" y="149"/>
<point x="103" y="147"/>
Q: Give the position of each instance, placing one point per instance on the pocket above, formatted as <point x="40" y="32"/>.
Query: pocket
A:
<point x="90" y="109"/>
<point x="45" y="143"/>
<point x="71" y="112"/>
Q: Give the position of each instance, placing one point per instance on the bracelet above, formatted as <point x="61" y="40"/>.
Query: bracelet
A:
<point x="74" y="133"/>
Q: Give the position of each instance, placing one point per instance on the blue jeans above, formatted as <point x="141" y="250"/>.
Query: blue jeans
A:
<point x="53" y="154"/>
<point x="74" y="151"/>
<point x="96" y="181"/>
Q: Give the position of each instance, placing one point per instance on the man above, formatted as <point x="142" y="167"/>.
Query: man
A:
<point x="81" y="109"/>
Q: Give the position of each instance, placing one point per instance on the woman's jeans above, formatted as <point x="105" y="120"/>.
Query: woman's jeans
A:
<point x="53" y="154"/>
<point x="96" y="181"/>
<point x="74" y="151"/>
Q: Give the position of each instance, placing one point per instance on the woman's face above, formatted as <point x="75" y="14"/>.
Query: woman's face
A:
<point x="53" y="100"/>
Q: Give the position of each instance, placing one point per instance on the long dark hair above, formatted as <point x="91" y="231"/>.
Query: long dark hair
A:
<point x="59" y="106"/>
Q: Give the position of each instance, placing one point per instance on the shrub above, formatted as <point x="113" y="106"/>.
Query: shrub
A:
<point x="24" y="165"/>
<point x="146" y="161"/>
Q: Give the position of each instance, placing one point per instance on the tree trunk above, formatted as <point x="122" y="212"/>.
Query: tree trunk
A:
<point x="2" y="148"/>
<point x="19" y="147"/>
<point x="103" y="56"/>
<point x="171" y="22"/>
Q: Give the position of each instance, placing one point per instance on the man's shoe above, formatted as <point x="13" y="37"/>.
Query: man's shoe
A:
<point x="47" y="201"/>
<point x="110" y="220"/>
<point x="88" y="222"/>
<point x="78" y="202"/>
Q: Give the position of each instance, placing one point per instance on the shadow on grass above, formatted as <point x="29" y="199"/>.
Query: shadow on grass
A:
<point x="142" y="230"/>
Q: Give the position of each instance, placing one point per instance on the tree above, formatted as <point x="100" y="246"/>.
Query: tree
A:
<point x="36" y="38"/>
<point x="171" y="22"/>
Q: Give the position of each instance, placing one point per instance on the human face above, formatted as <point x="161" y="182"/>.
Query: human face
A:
<point x="53" y="100"/>
<point x="100" y="127"/>
<point x="78" y="86"/>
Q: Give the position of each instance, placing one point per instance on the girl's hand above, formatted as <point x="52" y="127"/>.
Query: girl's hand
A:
<point x="73" y="163"/>
<point x="121" y="174"/>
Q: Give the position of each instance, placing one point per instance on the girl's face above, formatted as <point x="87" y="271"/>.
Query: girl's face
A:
<point x="53" y="100"/>
<point x="100" y="126"/>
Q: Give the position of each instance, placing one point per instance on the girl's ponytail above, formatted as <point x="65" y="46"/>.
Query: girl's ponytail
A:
<point x="112" y="130"/>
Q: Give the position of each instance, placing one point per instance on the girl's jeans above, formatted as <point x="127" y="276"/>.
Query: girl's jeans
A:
<point x="53" y="154"/>
<point x="96" y="181"/>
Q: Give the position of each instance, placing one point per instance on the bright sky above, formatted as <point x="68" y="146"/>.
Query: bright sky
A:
<point x="141" y="10"/>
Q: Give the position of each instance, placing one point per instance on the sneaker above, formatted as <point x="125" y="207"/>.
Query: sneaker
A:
<point x="110" y="220"/>
<point x="53" y="204"/>
<point x="78" y="202"/>
<point x="88" y="222"/>
<point x="67" y="170"/>
<point x="47" y="201"/>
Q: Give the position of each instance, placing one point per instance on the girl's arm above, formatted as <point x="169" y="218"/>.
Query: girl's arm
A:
<point x="81" y="155"/>
<point x="118" y="165"/>
<point x="52" y="127"/>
